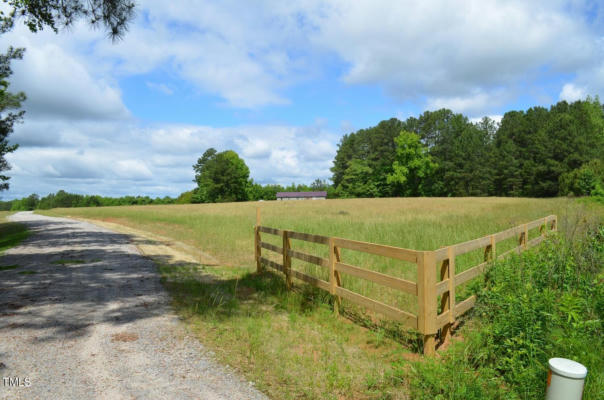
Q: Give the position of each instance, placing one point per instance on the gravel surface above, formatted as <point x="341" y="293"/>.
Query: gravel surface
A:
<point x="84" y="316"/>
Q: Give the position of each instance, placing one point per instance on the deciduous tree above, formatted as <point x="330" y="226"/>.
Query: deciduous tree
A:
<point x="412" y="167"/>
<point x="221" y="177"/>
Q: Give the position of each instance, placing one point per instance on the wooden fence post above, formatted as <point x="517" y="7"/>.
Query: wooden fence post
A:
<point x="287" y="260"/>
<point x="257" y="241"/>
<point x="447" y="301"/>
<point x="426" y="299"/>
<point x="525" y="243"/>
<point x="337" y="279"/>
<point x="332" y="274"/>
<point x="555" y="224"/>
<point x="493" y="248"/>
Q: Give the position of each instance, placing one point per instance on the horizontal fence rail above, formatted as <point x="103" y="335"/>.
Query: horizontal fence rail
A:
<point x="427" y="288"/>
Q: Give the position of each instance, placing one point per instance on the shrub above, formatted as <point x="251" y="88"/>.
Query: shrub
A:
<point x="545" y="303"/>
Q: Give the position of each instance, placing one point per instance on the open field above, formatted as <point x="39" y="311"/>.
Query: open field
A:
<point x="289" y="342"/>
<point x="226" y="230"/>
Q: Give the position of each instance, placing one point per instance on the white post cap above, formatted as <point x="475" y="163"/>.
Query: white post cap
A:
<point x="567" y="368"/>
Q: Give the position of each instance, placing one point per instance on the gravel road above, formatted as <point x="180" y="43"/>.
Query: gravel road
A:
<point x="84" y="316"/>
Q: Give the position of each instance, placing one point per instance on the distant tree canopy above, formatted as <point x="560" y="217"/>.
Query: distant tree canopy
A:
<point x="537" y="153"/>
<point x="69" y="200"/>
<point x="220" y="177"/>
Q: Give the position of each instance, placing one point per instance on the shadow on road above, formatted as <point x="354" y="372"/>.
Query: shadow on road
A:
<point x="69" y="275"/>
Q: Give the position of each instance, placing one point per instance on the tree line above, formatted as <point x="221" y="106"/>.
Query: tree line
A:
<point x="535" y="153"/>
<point x="63" y="199"/>
<point x="540" y="152"/>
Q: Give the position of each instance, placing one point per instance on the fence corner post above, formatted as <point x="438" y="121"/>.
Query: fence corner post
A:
<point x="426" y="299"/>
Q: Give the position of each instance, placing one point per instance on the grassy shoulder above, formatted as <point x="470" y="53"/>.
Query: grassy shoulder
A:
<point x="11" y="233"/>
<point x="289" y="342"/>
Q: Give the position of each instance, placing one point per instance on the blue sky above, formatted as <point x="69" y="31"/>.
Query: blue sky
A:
<point x="279" y="83"/>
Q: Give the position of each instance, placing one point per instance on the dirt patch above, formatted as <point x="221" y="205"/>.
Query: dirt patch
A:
<point x="244" y="292"/>
<point x="124" y="337"/>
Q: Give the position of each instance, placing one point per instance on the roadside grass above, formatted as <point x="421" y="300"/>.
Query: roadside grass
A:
<point x="11" y="233"/>
<point x="68" y="262"/>
<point x="8" y="267"/>
<point x="289" y="342"/>
<point x="27" y="272"/>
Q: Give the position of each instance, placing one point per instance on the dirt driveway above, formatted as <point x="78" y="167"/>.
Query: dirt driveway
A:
<point x="83" y="315"/>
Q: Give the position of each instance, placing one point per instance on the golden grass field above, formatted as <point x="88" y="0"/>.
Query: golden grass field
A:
<point x="226" y="230"/>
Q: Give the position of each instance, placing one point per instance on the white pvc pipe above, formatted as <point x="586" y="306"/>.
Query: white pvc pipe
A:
<point x="565" y="380"/>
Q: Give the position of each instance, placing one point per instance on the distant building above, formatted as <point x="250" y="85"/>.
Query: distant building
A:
<point x="301" y="195"/>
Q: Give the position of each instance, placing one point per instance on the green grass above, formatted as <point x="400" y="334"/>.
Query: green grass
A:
<point x="11" y="233"/>
<point x="68" y="262"/>
<point x="546" y="303"/>
<point x="290" y="342"/>
<point x="27" y="272"/>
<point x="8" y="267"/>
<point x="225" y="230"/>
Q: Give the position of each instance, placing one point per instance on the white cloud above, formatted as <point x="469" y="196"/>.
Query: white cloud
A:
<point x="495" y="117"/>
<point x="571" y="92"/>
<point x="59" y="84"/>
<point x="132" y="170"/>
<point x="472" y="103"/>
<point x="248" y="54"/>
<point x="459" y="54"/>
<point x="158" y="160"/>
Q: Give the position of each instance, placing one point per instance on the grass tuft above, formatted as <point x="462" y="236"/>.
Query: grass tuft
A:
<point x="8" y="267"/>
<point x="68" y="262"/>
<point x="11" y="234"/>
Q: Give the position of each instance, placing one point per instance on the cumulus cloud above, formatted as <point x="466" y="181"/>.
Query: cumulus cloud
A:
<point x="59" y="84"/>
<point x="249" y="54"/>
<point x="570" y="92"/>
<point x="456" y="54"/>
<point x="158" y="160"/>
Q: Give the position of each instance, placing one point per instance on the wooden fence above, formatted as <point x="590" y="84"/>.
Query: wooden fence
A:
<point x="427" y="287"/>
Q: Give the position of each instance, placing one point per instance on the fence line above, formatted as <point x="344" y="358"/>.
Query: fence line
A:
<point x="427" y="287"/>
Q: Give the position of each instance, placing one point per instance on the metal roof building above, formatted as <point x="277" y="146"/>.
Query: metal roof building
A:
<point x="301" y="195"/>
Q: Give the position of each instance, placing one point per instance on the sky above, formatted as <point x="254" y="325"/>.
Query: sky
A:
<point x="278" y="82"/>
